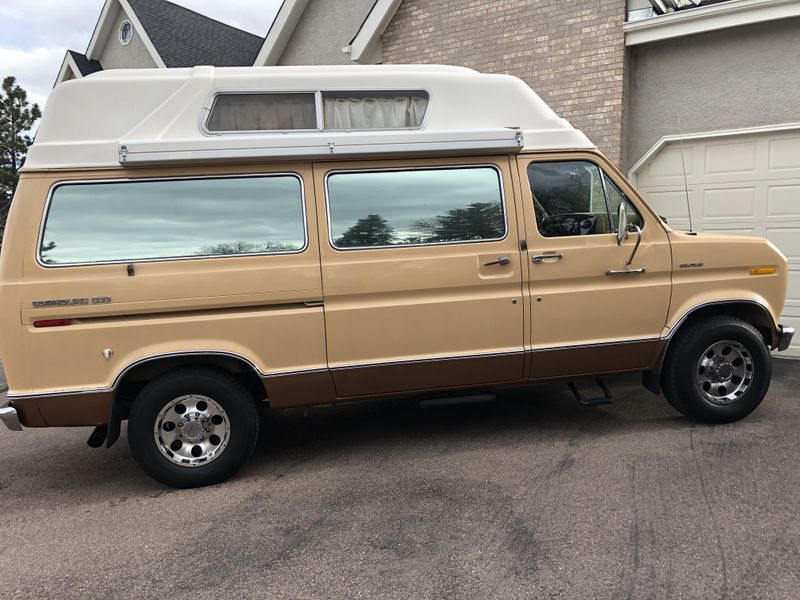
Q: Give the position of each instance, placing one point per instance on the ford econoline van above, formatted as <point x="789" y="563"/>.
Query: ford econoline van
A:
<point x="187" y="245"/>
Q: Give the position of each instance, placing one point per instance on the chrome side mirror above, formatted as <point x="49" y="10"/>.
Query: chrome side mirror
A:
<point x="622" y="224"/>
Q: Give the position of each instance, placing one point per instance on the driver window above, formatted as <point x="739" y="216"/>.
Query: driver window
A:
<point x="568" y="198"/>
<point x="575" y="198"/>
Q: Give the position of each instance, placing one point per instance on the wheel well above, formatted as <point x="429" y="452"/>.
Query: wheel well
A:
<point x="134" y="379"/>
<point x="751" y="312"/>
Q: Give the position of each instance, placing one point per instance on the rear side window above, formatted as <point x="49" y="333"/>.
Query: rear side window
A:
<point x="413" y="207"/>
<point x="130" y="221"/>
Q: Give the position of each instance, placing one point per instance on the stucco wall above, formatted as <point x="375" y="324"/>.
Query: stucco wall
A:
<point x="571" y="53"/>
<point x="133" y="56"/>
<point x="323" y="30"/>
<point x="742" y="77"/>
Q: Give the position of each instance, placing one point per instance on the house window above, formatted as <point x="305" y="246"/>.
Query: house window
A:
<point x="125" y="33"/>
<point x="146" y="220"/>
<point x="373" y="209"/>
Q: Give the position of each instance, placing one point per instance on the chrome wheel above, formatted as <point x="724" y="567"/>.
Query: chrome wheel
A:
<point x="192" y="430"/>
<point x="724" y="372"/>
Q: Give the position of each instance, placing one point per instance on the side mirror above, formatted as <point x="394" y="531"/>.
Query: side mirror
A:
<point x="622" y="224"/>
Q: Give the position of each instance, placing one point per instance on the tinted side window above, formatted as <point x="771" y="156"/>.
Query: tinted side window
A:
<point x="568" y="198"/>
<point x="147" y="220"/>
<point x="411" y="207"/>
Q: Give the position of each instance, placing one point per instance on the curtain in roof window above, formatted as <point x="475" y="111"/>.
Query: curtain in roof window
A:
<point x="396" y="110"/>
<point x="263" y="112"/>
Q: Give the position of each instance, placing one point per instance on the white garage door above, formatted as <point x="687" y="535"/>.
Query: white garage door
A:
<point x="742" y="184"/>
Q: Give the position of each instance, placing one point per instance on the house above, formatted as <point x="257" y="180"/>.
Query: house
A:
<point x="697" y="94"/>
<point x="157" y="33"/>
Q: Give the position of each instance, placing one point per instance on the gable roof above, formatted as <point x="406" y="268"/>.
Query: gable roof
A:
<point x="86" y="66"/>
<point x="364" y="45"/>
<point x="280" y="31"/>
<point x="184" y="38"/>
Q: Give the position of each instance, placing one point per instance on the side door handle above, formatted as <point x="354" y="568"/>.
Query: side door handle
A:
<point x="501" y="260"/>
<point x="627" y="271"/>
<point x="540" y="258"/>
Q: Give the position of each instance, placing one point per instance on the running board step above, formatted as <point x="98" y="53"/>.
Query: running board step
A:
<point x="451" y="400"/>
<point x="606" y="398"/>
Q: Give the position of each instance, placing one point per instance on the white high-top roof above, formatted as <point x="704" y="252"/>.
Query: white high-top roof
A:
<point x="156" y="116"/>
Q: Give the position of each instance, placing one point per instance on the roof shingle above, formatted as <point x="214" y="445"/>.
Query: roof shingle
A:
<point x="85" y="65"/>
<point x="184" y="38"/>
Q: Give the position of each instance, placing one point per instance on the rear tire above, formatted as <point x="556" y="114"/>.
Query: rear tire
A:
<point x="717" y="370"/>
<point x="192" y="427"/>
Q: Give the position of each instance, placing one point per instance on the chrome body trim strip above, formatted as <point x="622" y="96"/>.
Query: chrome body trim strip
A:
<point x="391" y="363"/>
<point x="598" y="344"/>
<point x="695" y="308"/>
<point x="121" y="374"/>
<point x="787" y="333"/>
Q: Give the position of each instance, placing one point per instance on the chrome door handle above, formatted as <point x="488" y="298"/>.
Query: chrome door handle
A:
<point x="539" y="258"/>
<point x="501" y="260"/>
<point x="627" y="271"/>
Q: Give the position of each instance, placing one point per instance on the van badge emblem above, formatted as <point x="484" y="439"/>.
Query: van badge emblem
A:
<point x="694" y="265"/>
<point x="71" y="302"/>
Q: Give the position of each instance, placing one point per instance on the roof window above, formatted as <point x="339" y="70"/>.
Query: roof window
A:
<point x="341" y="110"/>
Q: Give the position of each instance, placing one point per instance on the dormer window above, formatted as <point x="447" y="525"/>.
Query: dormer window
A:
<point x="125" y="33"/>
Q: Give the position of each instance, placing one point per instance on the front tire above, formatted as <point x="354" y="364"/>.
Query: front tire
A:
<point x="717" y="370"/>
<point x="192" y="427"/>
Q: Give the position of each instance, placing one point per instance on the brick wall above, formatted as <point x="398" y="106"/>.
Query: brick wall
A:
<point x="571" y="53"/>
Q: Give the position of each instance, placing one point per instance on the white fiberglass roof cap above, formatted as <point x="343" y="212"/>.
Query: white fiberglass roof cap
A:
<point x="157" y="116"/>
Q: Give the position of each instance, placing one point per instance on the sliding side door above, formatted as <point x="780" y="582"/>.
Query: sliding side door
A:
<point x="421" y="274"/>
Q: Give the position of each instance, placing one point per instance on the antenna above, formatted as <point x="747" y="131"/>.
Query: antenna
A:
<point x="685" y="179"/>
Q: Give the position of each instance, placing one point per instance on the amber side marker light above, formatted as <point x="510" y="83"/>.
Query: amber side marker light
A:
<point x="762" y="270"/>
<point x="52" y="323"/>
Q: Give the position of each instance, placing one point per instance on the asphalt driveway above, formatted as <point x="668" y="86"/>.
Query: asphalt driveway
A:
<point x="527" y="497"/>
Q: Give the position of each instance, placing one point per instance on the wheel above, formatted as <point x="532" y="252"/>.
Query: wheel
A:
<point x="193" y="426"/>
<point x="717" y="370"/>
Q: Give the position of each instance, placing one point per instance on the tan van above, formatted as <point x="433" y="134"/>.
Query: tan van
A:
<point x="186" y="245"/>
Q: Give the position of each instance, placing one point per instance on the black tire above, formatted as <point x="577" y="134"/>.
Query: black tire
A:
<point x="241" y="426"/>
<point x="682" y="370"/>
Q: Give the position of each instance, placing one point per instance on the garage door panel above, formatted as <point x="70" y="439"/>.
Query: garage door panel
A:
<point x="668" y="203"/>
<point x="786" y="238"/>
<point x="730" y="230"/>
<point x="731" y="158"/>
<point x="783" y="200"/>
<point x="730" y="202"/>
<point x="667" y="167"/>
<point x="784" y="153"/>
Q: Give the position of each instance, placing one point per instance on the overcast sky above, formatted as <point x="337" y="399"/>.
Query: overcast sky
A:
<point x="34" y="34"/>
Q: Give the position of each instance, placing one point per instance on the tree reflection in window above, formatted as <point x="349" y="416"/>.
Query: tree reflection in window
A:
<point x="425" y="206"/>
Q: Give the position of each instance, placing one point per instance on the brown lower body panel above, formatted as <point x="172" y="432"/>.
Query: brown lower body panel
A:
<point x="300" y="389"/>
<point x="384" y="381"/>
<point x="73" y="410"/>
<point x="581" y="361"/>
<point x="429" y="375"/>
